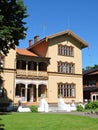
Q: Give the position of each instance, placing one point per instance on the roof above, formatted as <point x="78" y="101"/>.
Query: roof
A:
<point x="25" y="52"/>
<point x="91" y="71"/>
<point x="90" y="89"/>
<point x="67" y="32"/>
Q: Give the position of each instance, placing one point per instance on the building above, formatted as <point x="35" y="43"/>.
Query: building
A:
<point x="90" y="84"/>
<point x="51" y="66"/>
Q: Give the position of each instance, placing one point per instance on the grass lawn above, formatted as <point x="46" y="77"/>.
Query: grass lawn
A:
<point x="40" y="121"/>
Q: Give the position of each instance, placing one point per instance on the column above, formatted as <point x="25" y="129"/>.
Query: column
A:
<point x="37" y="68"/>
<point x="26" y="92"/>
<point x="46" y="91"/>
<point x="26" y="67"/>
<point x="37" y="92"/>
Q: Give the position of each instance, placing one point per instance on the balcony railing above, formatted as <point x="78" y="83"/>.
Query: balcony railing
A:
<point x="31" y="73"/>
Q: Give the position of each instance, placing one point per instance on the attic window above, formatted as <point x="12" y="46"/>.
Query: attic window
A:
<point x="65" y="50"/>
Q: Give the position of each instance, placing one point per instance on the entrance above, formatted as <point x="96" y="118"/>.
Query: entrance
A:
<point x="23" y="94"/>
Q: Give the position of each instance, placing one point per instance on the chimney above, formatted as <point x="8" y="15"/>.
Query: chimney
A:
<point x="36" y="38"/>
<point x="30" y="43"/>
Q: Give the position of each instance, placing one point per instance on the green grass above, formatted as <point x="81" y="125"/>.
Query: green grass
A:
<point x="40" y="121"/>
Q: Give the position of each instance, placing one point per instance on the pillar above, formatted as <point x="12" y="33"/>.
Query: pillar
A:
<point x="37" y="92"/>
<point x="26" y="92"/>
<point x="37" y="68"/>
<point x="26" y="67"/>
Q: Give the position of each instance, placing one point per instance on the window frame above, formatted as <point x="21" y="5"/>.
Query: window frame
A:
<point x="66" y="90"/>
<point x="65" y="50"/>
<point x="65" y="67"/>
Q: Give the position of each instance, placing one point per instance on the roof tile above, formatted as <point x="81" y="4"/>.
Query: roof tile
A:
<point x="25" y="52"/>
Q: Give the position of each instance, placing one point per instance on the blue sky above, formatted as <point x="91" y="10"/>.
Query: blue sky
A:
<point x="47" y="17"/>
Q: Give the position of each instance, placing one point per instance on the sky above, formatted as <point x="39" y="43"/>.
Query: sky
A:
<point x="47" y="17"/>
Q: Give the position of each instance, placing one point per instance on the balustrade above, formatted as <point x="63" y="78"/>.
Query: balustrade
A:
<point x="31" y="73"/>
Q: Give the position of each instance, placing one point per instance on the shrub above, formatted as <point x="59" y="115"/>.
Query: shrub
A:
<point x="88" y="105"/>
<point x="80" y="108"/>
<point x="92" y="105"/>
<point x="34" y="109"/>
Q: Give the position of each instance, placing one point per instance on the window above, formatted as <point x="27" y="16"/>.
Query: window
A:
<point x="71" y="68"/>
<point x="66" y="90"/>
<point x="60" y="50"/>
<point x="1" y="88"/>
<point x="1" y="62"/>
<point x="65" y="67"/>
<point x="65" y="50"/>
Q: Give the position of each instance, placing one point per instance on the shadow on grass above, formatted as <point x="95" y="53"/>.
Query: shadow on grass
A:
<point x="2" y="125"/>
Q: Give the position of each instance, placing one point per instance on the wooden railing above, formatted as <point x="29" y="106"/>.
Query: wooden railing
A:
<point x="31" y="73"/>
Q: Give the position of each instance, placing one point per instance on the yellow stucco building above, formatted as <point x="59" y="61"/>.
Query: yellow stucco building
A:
<point x="51" y="66"/>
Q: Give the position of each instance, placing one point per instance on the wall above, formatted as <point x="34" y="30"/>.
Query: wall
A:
<point x="9" y="73"/>
<point x="53" y="54"/>
<point x="55" y="78"/>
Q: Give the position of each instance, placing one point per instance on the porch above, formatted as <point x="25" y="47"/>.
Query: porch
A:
<point x="29" y="91"/>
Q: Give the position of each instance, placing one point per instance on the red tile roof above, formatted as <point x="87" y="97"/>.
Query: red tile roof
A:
<point x="25" y="52"/>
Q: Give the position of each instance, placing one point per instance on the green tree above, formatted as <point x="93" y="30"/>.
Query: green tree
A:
<point x="90" y="67"/>
<point x="12" y="26"/>
<point x="95" y="66"/>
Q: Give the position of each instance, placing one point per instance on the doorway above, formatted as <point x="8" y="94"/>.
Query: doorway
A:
<point x="23" y="94"/>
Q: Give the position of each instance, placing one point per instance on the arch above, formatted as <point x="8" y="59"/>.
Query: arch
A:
<point x="21" y="64"/>
<point x="42" y="89"/>
<point x="42" y="82"/>
<point x="26" y="81"/>
<point x="18" y="89"/>
<point x="42" y="66"/>
<point x="32" y="65"/>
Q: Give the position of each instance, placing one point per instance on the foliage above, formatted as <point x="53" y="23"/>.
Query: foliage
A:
<point x="80" y="108"/>
<point x="91" y="67"/>
<point x="92" y="105"/>
<point x="12" y="27"/>
<point x="34" y="109"/>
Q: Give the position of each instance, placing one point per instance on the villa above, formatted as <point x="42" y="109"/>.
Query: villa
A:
<point x="51" y="66"/>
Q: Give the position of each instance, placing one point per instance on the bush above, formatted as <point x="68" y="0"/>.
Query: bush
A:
<point x="88" y="105"/>
<point x="92" y="105"/>
<point x="34" y="109"/>
<point x="80" y="108"/>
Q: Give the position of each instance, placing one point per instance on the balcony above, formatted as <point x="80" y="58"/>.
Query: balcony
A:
<point x="31" y="74"/>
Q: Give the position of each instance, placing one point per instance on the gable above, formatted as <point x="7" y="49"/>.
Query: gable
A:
<point x="41" y="46"/>
<point x="70" y="36"/>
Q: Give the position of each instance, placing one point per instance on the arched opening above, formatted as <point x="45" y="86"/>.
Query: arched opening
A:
<point x="42" y="90"/>
<point x="32" y="65"/>
<point x="21" y="64"/>
<point x="20" y="90"/>
<point x="31" y="93"/>
<point x="42" y="66"/>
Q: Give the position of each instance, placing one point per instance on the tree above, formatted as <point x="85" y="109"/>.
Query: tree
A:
<point x="12" y="26"/>
<point x="90" y="67"/>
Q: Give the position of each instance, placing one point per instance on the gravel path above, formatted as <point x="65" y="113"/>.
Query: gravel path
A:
<point x="93" y="115"/>
<point x="89" y="114"/>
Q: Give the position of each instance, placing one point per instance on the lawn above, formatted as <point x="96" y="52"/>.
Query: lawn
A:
<point x="47" y="121"/>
